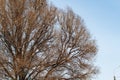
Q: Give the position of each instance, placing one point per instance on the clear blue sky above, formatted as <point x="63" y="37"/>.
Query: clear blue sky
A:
<point x="102" y="18"/>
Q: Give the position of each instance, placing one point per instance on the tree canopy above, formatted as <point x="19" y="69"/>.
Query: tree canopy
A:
<point x="38" y="41"/>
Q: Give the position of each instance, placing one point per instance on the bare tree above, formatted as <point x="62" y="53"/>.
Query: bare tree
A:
<point x="40" y="42"/>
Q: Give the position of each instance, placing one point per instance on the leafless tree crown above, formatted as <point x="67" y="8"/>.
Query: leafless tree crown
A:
<point x="40" y="42"/>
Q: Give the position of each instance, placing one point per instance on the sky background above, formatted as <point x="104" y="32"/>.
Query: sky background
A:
<point x="102" y="18"/>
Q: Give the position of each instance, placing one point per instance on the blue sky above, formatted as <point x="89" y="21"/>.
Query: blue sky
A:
<point x="102" y="18"/>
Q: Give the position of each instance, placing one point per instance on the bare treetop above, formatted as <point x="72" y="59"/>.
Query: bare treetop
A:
<point x="39" y="41"/>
